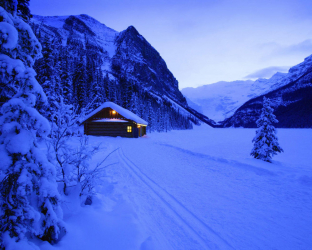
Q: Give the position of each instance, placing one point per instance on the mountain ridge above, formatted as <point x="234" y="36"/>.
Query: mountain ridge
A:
<point x="228" y="97"/>
<point x="292" y="102"/>
<point x="220" y="100"/>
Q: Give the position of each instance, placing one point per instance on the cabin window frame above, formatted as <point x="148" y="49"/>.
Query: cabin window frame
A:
<point x="129" y="129"/>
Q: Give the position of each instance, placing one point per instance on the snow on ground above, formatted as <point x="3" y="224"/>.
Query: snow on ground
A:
<point x="198" y="189"/>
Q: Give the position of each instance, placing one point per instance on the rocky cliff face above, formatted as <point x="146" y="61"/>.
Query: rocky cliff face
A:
<point x="135" y="56"/>
<point x="291" y="99"/>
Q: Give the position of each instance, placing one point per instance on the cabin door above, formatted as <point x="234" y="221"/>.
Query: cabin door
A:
<point x="135" y="132"/>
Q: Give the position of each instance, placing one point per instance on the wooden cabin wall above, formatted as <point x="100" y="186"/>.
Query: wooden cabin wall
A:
<point x="109" y="129"/>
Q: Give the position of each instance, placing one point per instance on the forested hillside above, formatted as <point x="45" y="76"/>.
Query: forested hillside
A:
<point x="88" y="63"/>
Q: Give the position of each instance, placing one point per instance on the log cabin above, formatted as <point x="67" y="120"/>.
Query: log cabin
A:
<point x="112" y="120"/>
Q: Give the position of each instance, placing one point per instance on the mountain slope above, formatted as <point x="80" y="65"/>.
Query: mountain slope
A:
<point x="292" y="102"/>
<point x="127" y="52"/>
<point x="97" y="63"/>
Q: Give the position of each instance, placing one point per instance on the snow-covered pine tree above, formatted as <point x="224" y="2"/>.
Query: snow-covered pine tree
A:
<point x="134" y="104"/>
<point x="80" y="81"/>
<point x="50" y="75"/>
<point x="140" y="106"/>
<point x="266" y="142"/>
<point x="97" y="93"/>
<point x="29" y="199"/>
<point x="66" y="75"/>
<point x="22" y="9"/>
<point x="150" y="117"/>
<point x="106" y="84"/>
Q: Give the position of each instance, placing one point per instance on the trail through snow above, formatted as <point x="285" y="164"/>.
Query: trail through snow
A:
<point x="188" y="196"/>
<point x="194" y="227"/>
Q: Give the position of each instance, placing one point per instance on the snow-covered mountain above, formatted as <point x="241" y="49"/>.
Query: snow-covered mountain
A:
<point x="291" y="98"/>
<point x="220" y="100"/>
<point x="80" y="27"/>
<point x="122" y="66"/>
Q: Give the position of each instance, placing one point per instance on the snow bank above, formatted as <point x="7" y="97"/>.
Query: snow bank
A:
<point x="10" y="244"/>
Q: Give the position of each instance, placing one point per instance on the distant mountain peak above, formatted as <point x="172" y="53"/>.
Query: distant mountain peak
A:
<point x="220" y="100"/>
<point x="85" y="16"/>
<point x="132" y="29"/>
<point x="291" y="96"/>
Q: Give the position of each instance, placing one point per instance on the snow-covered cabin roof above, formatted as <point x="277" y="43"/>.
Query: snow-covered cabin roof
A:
<point x="124" y="112"/>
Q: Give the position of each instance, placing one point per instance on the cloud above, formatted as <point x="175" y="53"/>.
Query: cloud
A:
<point x="267" y="72"/>
<point x="275" y="50"/>
<point x="304" y="47"/>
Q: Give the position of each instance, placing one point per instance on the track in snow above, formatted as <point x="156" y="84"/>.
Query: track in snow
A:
<point x="232" y="163"/>
<point x="204" y="234"/>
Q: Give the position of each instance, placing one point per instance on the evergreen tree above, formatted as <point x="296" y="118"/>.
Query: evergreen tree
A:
<point x="19" y="7"/>
<point x="97" y="93"/>
<point x="80" y="82"/>
<point x="29" y="199"/>
<point x="161" y="119"/>
<point x="166" y="121"/>
<point x="50" y="74"/>
<point x="23" y="10"/>
<point x="150" y="117"/>
<point x="134" y="103"/>
<point x="106" y="86"/>
<point x="66" y="75"/>
<point x="266" y="142"/>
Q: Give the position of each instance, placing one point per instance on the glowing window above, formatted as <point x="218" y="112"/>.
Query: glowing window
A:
<point x="129" y="129"/>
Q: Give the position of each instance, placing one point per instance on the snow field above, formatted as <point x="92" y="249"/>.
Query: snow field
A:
<point x="198" y="189"/>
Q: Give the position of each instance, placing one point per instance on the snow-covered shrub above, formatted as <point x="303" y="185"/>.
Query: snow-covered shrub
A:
<point x="266" y="142"/>
<point x="64" y="125"/>
<point x="72" y="161"/>
<point x="81" y="174"/>
<point x="29" y="199"/>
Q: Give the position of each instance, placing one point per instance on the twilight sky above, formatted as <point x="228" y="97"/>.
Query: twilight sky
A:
<point x="206" y="41"/>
